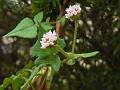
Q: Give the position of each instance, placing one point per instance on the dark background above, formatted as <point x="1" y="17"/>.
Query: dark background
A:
<point x="100" y="31"/>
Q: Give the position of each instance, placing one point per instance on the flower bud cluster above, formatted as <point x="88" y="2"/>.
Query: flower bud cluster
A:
<point x="48" y="39"/>
<point x="73" y="11"/>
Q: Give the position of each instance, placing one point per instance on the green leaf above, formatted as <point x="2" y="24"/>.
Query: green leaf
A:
<point x="52" y="60"/>
<point x="42" y="52"/>
<point x="39" y="52"/>
<point x="1" y="88"/>
<point x="61" y="42"/>
<point x="38" y="18"/>
<point x="6" y="82"/>
<point x="17" y="82"/>
<point x="33" y="74"/>
<point x="73" y="56"/>
<point x="25" y="29"/>
<point x="29" y="64"/>
<point x="86" y="55"/>
<point x="39" y="61"/>
<point x="46" y="26"/>
<point x="56" y="63"/>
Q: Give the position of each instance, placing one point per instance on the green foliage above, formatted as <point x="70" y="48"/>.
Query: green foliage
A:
<point x="17" y="80"/>
<point x="61" y="43"/>
<point x="52" y="60"/>
<point x="73" y="57"/>
<point x="103" y="35"/>
<point x="39" y="52"/>
<point x="86" y="55"/>
<point x="55" y="63"/>
<point x="46" y="26"/>
<point x="38" y="18"/>
<point x="83" y="55"/>
<point x="25" y="29"/>
<point x="49" y="56"/>
<point x="6" y="82"/>
<point x="33" y="74"/>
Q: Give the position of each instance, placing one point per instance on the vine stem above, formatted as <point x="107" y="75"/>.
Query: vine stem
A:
<point x="75" y="36"/>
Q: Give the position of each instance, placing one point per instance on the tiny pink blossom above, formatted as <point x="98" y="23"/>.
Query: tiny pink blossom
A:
<point x="48" y="39"/>
<point x="72" y="11"/>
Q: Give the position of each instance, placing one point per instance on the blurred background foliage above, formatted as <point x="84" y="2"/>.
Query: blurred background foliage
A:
<point x="99" y="30"/>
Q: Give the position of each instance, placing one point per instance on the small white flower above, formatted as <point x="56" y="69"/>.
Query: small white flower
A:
<point x="48" y="39"/>
<point x="72" y="11"/>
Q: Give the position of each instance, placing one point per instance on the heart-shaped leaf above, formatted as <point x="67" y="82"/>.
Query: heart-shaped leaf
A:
<point x="25" y="29"/>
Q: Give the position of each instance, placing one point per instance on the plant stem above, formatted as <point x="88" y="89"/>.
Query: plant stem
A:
<point x="52" y="22"/>
<point x="74" y="39"/>
<point x="41" y="84"/>
<point x="65" y="60"/>
<point x="62" y="51"/>
<point x="32" y="87"/>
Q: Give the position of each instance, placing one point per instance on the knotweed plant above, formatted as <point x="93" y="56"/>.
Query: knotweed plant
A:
<point x="47" y="51"/>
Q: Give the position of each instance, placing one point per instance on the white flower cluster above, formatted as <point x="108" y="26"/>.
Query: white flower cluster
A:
<point x="48" y="39"/>
<point x="72" y="10"/>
